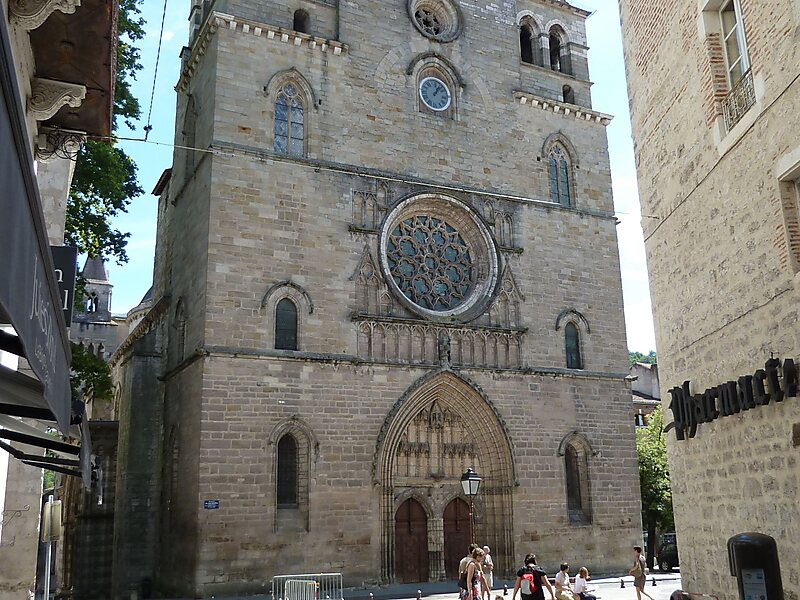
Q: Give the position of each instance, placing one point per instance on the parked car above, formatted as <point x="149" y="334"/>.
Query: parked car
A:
<point x="667" y="558"/>
<point x="669" y="538"/>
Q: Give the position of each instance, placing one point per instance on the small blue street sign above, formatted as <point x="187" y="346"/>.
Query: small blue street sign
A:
<point x="210" y="504"/>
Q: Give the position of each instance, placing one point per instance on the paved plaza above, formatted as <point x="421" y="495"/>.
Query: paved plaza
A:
<point x="607" y="588"/>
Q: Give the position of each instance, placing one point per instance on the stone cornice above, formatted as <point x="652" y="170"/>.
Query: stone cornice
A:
<point x="359" y="317"/>
<point x="563" y="108"/>
<point x="142" y="329"/>
<point x="245" y="26"/>
<point x="342" y="359"/>
<point x="229" y="149"/>
<point x="30" y="14"/>
<point x="567" y="6"/>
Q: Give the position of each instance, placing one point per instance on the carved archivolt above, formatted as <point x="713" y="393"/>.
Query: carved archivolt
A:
<point x="48" y="96"/>
<point x="30" y="14"/>
<point x="441" y="426"/>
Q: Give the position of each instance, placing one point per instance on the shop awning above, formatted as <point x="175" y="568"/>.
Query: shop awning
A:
<point x="29" y="299"/>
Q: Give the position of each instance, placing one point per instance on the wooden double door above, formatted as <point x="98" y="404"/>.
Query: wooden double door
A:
<point x="412" y="557"/>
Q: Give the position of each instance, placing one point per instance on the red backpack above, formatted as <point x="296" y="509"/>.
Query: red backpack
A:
<point x="529" y="584"/>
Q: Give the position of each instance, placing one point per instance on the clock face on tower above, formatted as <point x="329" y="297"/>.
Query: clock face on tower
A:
<point x="434" y="94"/>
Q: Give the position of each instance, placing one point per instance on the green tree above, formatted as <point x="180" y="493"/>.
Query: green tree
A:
<point x="90" y="376"/>
<point x="105" y="180"/>
<point x="638" y="357"/>
<point x="654" y="480"/>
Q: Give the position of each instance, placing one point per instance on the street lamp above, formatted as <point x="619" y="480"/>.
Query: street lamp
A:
<point x="471" y="484"/>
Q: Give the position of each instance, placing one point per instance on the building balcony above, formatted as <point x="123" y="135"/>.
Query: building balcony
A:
<point x="739" y="100"/>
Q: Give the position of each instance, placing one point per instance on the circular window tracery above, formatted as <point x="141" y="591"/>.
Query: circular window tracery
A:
<point x="439" y="20"/>
<point x="430" y="262"/>
<point x="428" y="21"/>
<point x="438" y="258"/>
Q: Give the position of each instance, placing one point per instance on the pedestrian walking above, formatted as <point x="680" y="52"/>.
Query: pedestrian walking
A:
<point x="462" y="572"/>
<point x="475" y="576"/>
<point x="638" y="572"/>
<point x="531" y="581"/>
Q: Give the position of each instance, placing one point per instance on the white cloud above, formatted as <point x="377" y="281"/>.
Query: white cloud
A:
<point x="168" y="35"/>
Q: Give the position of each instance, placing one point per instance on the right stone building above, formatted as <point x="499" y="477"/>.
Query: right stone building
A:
<point x="714" y="98"/>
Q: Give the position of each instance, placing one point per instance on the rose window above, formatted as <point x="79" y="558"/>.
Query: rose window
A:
<point x="428" y="21"/>
<point x="438" y="20"/>
<point x="429" y="262"/>
<point x="438" y="258"/>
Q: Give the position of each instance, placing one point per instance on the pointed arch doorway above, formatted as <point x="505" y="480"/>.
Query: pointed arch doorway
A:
<point x="456" y="535"/>
<point x="440" y="427"/>
<point x="411" y="542"/>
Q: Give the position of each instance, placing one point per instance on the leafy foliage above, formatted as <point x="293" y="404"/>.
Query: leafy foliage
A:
<point x="102" y="187"/>
<point x="654" y="479"/>
<point x="105" y="181"/>
<point x="638" y="357"/>
<point x="131" y="29"/>
<point x="48" y="479"/>
<point x="90" y="375"/>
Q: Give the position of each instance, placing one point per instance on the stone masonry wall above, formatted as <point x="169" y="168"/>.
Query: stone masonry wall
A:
<point x="243" y="220"/>
<point x="724" y="294"/>
<point x="345" y="407"/>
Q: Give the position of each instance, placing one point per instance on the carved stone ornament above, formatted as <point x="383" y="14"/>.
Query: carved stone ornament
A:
<point x="30" y="14"/>
<point x="55" y="143"/>
<point x="48" y="96"/>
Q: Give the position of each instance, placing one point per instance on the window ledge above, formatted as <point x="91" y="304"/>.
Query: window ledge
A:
<point x="559" y="74"/>
<point x="562" y="108"/>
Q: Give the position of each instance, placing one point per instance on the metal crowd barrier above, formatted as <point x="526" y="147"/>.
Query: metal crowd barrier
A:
<point x="308" y="586"/>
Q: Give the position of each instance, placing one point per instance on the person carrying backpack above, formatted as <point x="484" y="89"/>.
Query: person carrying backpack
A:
<point x="531" y="581"/>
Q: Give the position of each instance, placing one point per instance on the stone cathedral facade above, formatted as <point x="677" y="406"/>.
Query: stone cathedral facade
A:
<point x="386" y="254"/>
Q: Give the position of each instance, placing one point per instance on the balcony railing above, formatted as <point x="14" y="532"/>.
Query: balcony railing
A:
<point x="739" y="100"/>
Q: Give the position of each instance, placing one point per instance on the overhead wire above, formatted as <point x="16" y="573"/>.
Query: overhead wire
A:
<point x="149" y="127"/>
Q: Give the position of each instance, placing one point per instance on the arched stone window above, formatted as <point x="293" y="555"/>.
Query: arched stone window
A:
<point x="528" y="41"/>
<point x="180" y="332"/>
<point x="287" y="472"/>
<point x="302" y="21"/>
<point x="559" y="170"/>
<point x="568" y="94"/>
<point x="576" y="450"/>
<point x="559" y="50"/>
<point x="285" y="303"/>
<point x="573" y="475"/>
<point x="290" y="108"/>
<point x="572" y="342"/>
<point x="286" y="325"/>
<point x="189" y="131"/>
<point x="92" y="303"/>
<point x="294" y="453"/>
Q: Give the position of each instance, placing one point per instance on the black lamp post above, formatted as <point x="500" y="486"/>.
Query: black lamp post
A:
<point x="471" y="484"/>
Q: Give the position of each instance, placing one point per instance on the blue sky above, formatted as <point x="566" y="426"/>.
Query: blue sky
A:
<point x="609" y="95"/>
